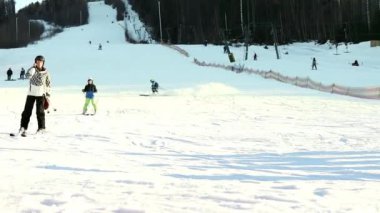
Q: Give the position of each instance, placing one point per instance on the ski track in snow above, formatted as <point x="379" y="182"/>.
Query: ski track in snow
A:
<point x="174" y="159"/>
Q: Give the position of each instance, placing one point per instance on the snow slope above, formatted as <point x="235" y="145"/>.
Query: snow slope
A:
<point x="213" y="141"/>
<point x="333" y="66"/>
<point x="23" y="3"/>
<point x="119" y="65"/>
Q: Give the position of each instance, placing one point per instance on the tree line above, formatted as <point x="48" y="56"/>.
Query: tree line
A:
<point x="217" y="21"/>
<point x="261" y="21"/>
<point x="19" y="29"/>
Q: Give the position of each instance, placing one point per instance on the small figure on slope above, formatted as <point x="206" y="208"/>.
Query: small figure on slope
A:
<point x="9" y="74"/>
<point x="154" y="86"/>
<point x="314" y="64"/>
<point x="22" y="73"/>
<point x="89" y="89"/>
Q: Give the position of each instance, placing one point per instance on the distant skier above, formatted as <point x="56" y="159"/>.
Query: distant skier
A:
<point x="314" y="64"/>
<point x="89" y="89"/>
<point x="39" y="88"/>
<point x="100" y="47"/>
<point x="255" y="57"/>
<point x="226" y="49"/>
<point x="22" y="73"/>
<point x="9" y="74"/>
<point x="154" y="86"/>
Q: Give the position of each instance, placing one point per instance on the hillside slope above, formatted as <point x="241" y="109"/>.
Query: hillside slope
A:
<point x="122" y="66"/>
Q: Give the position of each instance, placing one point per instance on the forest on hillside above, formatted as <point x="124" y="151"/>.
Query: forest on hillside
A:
<point x="261" y="21"/>
<point x="19" y="29"/>
<point x="217" y="21"/>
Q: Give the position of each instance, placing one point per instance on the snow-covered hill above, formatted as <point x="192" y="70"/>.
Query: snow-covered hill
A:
<point x="125" y="67"/>
<point x="212" y="141"/>
<point x="72" y="59"/>
<point x="334" y="66"/>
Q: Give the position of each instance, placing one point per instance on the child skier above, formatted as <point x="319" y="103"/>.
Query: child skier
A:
<point x="89" y="89"/>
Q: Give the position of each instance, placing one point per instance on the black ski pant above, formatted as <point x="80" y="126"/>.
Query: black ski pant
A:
<point x="40" y="112"/>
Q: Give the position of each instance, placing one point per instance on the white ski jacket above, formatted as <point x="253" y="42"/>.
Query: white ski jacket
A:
<point x="39" y="83"/>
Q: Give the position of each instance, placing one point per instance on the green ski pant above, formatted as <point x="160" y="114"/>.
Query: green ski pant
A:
<point x="87" y="102"/>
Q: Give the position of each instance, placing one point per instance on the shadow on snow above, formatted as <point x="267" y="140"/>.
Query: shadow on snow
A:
<point x="357" y="166"/>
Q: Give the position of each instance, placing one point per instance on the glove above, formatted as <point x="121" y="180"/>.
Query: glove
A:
<point x="47" y="95"/>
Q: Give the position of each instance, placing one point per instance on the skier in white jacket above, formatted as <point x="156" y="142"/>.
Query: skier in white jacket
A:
<point x="39" y="87"/>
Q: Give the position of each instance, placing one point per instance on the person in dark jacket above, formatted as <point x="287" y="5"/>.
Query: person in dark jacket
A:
<point x="314" y="64"/>
<point x="39" y="88"/>
<point x="89" y="89"/>
<point x="9" y="74"/>
<point x="154" y="86"/>
<point x="22" y="73"/>
<point x="226" y="48"/>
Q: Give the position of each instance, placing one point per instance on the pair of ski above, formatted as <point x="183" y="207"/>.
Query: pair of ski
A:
<point x="23" y="134"/>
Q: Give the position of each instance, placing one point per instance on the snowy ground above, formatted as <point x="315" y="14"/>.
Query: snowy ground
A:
<point x="213" y="141"/>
